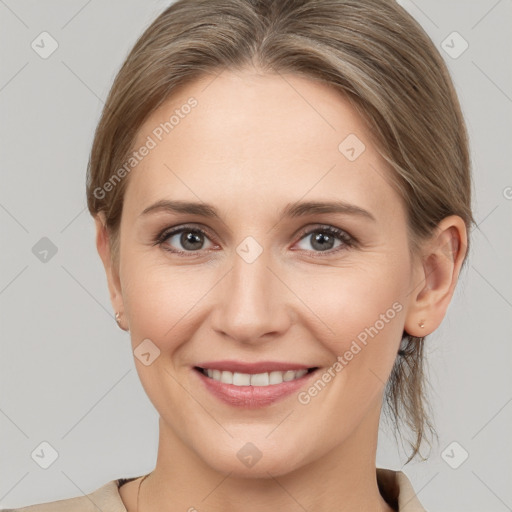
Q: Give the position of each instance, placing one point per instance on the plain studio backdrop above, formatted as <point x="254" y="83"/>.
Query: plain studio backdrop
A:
<point x="67" y="373"/>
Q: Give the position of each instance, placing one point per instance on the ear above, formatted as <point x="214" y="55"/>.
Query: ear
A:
<point x="436" y="275"/>
<point x="104" y="250"/>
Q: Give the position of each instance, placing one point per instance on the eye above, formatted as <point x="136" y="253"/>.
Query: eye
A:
<point x="324" y="238"/>
<point x="189" y="238"/>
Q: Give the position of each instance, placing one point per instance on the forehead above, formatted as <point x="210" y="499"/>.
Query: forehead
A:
<point x="269" y="137"/>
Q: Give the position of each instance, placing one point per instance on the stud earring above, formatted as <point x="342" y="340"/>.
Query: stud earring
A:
<point x="118" y="320"/>
<point x="421" y="324"/>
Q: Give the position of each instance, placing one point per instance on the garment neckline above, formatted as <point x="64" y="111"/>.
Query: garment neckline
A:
<point x="386" y="482"/>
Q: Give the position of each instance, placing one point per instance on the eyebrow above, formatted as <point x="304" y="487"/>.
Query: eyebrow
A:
<point x="291" y="210"/>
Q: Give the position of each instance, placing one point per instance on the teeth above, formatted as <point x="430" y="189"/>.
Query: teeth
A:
<point x="258" y="379"/>
<point x="226" y="377"/>
<point x="241" y="379"/>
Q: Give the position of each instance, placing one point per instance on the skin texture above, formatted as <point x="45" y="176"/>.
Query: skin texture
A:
<point x="254" y="143"/>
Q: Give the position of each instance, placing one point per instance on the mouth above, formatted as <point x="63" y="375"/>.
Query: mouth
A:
<point x="263" y="379"/>
<point x="253" y="390"/>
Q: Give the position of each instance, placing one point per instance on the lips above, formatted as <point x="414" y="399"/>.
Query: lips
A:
<point x="240" y="393"/>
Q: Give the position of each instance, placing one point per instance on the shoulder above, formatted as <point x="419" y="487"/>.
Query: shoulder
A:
<point x="397" y="490"/>
<point x="106" y="498"/>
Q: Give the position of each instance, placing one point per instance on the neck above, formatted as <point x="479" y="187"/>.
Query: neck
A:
<point x="342" y="479"/>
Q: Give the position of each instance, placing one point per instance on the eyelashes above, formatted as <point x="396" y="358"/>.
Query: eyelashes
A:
<point x="166" y="234"/>
<point x="346" y="240"/>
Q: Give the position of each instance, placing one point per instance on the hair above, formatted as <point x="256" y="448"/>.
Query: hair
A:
<point x="373" y="52"/>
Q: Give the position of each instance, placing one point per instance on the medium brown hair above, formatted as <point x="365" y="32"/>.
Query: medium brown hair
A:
<point x="372" y="51"/>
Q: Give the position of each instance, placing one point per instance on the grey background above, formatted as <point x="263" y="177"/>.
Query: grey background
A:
<point x="67" y="374"/>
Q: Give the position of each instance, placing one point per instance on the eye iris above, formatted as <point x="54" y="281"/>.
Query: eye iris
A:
<point x="188" y="238"/>
<point x="321" y="238"/>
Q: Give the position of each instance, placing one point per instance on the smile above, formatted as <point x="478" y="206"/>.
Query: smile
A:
<point x="253" y="390"/>
<point x="256" y="379"/>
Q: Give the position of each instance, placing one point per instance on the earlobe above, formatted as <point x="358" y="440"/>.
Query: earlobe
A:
<point x="441" y="261"/>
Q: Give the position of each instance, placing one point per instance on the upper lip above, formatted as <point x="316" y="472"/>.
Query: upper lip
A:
<point x="259" y="367"/>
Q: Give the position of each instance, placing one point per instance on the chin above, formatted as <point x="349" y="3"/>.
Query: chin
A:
<point x="254" y="459"/>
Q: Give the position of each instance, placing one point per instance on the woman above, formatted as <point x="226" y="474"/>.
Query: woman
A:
<point x="279" y="237"/>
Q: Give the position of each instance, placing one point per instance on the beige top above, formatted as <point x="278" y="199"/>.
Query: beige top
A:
<point x="394" y="487"/>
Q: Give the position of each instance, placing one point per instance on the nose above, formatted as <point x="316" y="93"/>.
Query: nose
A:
<point x="251" y="303"/>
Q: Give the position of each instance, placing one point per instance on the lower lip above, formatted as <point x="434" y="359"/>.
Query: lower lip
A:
<point x="253" y="397"/>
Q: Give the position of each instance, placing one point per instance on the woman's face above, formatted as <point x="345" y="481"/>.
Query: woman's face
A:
<point x="263" y="284"/>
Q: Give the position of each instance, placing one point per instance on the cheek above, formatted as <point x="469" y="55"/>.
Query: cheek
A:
<point x="348" y="300"/>
<point x="359" y="318"/>
<point x="161" y="299"/>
